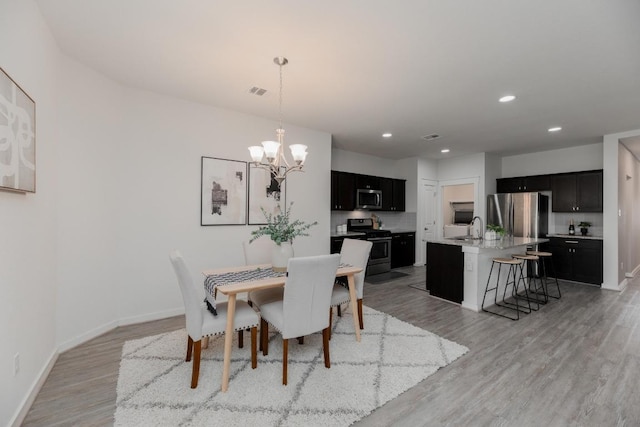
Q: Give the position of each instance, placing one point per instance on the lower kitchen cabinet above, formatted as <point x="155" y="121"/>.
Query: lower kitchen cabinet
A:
<point x="445" y="271"/>
<point x="575" y="259"/>
<point x="403" y="252"/>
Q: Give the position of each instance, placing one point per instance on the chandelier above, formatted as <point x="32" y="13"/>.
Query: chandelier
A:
<point x="270" y="155"/>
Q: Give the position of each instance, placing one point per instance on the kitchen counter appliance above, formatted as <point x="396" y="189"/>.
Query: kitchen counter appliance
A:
<point x="380" y="257"/>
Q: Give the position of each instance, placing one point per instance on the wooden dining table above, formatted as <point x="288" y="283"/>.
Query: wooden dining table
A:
<point x="245" y="283"/>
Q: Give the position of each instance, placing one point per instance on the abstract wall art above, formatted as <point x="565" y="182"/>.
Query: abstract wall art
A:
<point x="224" y="192"/>
<point x="263" y="193"/>
<point x="17" y="137"/>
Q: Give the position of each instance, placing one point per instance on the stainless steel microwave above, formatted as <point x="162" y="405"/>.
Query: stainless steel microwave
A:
<point x="368" y="199"/>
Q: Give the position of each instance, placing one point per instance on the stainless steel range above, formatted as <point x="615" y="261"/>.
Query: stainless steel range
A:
<point x="380" y="257"/>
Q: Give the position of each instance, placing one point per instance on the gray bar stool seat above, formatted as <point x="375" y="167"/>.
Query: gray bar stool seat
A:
<point x="512" y="279"/>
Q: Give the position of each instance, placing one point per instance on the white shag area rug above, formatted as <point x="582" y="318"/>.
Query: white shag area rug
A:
<point x="393" y="356"/>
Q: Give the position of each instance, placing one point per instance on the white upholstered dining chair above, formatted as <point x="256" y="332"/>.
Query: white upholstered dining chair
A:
<point x="201" y="323"/>
<point x="355" y="253"/>
<point x="304" y="308"/>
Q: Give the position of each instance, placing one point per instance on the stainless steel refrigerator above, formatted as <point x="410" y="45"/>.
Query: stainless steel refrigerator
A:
<point x="520" y="214"/>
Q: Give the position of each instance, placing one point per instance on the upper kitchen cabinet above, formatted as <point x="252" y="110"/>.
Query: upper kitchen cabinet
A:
<point x="523" y="184"/>
<point x="577" y="192"/>
<point x="343" y="191"/>
<point x="393" y="194"/>
<point x="368" y="182"/>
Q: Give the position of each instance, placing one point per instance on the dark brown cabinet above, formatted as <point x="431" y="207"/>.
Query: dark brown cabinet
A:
<point x="403" y="251"/>
<point x="393" y="194"/>
<point x="368" y="182"/>
<point x="343" y="191"/>
<point x="445" y="271"/>
<point x="523" y="184"/>
<point x="575" y="259"/>
<point x="577" y="192"/>
<point x="345" y="184"/>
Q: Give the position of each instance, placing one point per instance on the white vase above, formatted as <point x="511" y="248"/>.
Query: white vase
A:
<point x="280" y="256"/>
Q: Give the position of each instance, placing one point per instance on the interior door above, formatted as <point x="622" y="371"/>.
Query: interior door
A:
<point x="429" y="218"/>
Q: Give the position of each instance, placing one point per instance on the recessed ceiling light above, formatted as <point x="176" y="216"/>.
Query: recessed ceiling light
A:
<point x="507" y="98"/>
<point x="555" y="129"/>
<point x="445" y="150"/>
<point x="386" y="135"/>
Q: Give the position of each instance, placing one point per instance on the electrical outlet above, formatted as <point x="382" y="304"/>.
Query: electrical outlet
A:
<point x="16" y="364"/>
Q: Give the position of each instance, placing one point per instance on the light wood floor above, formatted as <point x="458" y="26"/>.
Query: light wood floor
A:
<point x="576" y="362"/>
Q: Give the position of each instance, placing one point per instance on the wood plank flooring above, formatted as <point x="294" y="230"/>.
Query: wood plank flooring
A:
<point x="575" y="362"/>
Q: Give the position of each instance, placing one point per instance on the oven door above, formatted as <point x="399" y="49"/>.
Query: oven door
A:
<point x="380" y="256"/>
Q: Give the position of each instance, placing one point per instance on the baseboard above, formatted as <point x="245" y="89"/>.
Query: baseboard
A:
<point x="28" y="400"/>
<point x="150" y="316"/>
<point x="621" y="286"/>
<point x="470" y="307"/>
<point x="633" y="273"/>
<point x="82" y="338"/>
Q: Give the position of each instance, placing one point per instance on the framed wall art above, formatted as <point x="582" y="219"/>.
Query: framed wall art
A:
<point x="224" y="192"/>
<point x="17" y="137"/>
<point x="263" y="193"/>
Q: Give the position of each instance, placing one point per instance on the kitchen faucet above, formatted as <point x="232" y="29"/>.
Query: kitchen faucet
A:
<point x="479" y="236"/>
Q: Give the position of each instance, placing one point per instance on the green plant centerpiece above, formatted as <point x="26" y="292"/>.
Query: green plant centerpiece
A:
<point x="282" y="230"/>
<point x="584" y="227"/>
<point x="497" y="230"/>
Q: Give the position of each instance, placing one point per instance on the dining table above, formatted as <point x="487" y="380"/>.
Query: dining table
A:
<point x="236" y="280"/>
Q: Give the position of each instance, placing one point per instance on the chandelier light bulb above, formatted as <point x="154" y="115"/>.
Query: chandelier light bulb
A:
<point x="299" y="152"/>
<point x="256" y="153"/>
<point x="271" y="149"/>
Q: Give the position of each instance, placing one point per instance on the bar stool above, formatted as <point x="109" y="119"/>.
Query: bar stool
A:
<point x="546" y="257"/>
<point x="529" y="262"/>
<point x="512" y="278"/>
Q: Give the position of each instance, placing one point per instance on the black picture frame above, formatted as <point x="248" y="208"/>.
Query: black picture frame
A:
<point x="223" y="191"/>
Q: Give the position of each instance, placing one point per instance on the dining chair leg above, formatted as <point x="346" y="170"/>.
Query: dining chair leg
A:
<point x="285" y="356"/>
<point x="189" y="348"/>
<point x="339" y="310"/>
<point x="264" y="335"/>
<point x="240" y="339"/>
<point x="301" y="340"/>
<point x="330" y="320"/>
<point x="195" y="372"/>
<point x="325" y="347"/>
<point x="360" y="313"/>
<point x="254" y="355"/>
<point x="205" y="342"/>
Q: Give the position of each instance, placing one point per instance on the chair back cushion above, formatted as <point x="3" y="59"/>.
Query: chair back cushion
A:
<point x="307" y="294"/>
<point x="258" y="252"/>
<point x="356" y="253"/>
<point x="192" y="301"/>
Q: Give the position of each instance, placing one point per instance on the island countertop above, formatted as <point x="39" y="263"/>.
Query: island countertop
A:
<point x="481" y="245"/>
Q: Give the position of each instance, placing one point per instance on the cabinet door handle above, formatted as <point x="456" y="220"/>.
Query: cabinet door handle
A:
<point x="577" y="208"/>
<point x="572" y="241"/>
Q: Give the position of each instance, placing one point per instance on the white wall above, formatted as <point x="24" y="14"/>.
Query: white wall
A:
<point x="90" y="121"/>
<point x="628" y="192"/>
<point x="118" y="187"/>
<point x="28" y="222"/>
<point x="574" y="159"/>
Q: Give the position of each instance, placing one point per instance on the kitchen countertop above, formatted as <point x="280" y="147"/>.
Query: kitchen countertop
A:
<point x="348" y="234"/>
<point x="576" y="236"/>
<point x="357" y="234"/>
<point x="484" y="245"/>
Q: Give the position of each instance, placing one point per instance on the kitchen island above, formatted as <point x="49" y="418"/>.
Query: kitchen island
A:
<point x="474" y="257"/>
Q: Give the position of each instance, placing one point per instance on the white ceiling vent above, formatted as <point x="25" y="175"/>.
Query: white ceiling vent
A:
<point x="431" y="137"/>
<point x="257" y="91"/>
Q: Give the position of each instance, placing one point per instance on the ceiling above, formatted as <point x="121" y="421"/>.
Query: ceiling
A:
<point x="359" y="68"/>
